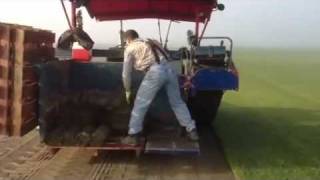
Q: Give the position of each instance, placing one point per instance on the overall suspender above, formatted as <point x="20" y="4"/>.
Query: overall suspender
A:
<point x="154" y="48"/>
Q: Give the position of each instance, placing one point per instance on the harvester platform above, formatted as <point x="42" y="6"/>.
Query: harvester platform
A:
<point x="171" y="141"/>
<point x="151" y="145"/>
<point x="113" y="145"/>
<point x="174" y="145"/>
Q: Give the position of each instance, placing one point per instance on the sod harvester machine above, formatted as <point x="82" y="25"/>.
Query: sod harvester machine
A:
<point x="82" y="104"/>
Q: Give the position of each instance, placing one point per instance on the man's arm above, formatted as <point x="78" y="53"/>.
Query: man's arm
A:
<point x="127" y="70"/>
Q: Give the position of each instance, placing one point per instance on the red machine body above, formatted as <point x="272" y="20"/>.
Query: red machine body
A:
<point x="180" y="10"/>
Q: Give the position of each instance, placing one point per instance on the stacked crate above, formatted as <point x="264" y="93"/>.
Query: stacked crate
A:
<point x="4" y="77"/>
<point x="21" y="48"/>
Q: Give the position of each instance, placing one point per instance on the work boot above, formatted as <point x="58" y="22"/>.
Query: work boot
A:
<point x="131" y="139"/>
<point x="193" y="135"/>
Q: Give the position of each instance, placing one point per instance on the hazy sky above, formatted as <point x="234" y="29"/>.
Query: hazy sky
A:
<point x="254" y="23"/>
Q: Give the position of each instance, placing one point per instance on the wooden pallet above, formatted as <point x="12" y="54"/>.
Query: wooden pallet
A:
<point x="4" y="75"/>
<point x="21" y="48"/>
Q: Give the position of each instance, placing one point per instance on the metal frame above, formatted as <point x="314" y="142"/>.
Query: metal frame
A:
<point x="204" y="30"/>
<point x="229" y="60"/>
<point x="221" y="37"/>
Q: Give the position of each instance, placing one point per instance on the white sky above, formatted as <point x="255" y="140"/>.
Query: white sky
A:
<point x="254" y="23"/>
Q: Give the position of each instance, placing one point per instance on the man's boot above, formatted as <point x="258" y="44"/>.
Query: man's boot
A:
<point x="132" y="139"/>
<point x="193" y="135"/>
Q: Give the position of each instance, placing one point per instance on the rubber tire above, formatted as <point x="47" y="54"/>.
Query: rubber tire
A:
<point x="204" y="106"/>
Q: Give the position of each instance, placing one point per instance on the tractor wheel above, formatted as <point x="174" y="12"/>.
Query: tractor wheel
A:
<point x="204" y="106"/>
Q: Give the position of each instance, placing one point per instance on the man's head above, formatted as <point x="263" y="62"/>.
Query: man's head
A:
<point x="130" y="35"/>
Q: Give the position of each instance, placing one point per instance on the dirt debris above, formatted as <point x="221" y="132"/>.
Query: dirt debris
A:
<point x="85" y="118"/>
<point x="30" y="160"/>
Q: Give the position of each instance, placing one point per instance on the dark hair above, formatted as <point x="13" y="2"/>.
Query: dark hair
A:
<point x="131" y="34"/>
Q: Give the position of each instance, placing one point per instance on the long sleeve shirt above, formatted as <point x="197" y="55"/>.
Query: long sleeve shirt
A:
<point x="138" y="54"/>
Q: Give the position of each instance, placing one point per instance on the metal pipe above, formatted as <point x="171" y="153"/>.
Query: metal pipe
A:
<point x="73" y="13"/>
<point x="197" y="30"/>
<point x="203" y="31"/>
<point x="66" y="14"/>
<point x="121" y="34"/>
<point x="167" y="36"/>
<point x="159" y="26"/>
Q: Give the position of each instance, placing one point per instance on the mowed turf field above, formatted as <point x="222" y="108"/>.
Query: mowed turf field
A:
<point x="270" y="129"/>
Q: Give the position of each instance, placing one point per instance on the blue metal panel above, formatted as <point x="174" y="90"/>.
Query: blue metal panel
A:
<point x="215" y="79"/>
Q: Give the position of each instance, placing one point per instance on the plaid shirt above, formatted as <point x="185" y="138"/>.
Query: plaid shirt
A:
<point x="138" y="54"/>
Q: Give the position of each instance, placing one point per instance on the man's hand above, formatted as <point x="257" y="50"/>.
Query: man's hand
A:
<point x="128" y="97"/>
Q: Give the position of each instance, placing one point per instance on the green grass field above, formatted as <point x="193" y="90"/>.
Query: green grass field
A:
<point x="270" y="129"/>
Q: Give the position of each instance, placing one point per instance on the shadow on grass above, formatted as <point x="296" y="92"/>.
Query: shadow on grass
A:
<point x="279" y="140"/>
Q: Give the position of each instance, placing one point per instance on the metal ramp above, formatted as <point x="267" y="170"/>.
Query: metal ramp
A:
<point x="168" y="144"/>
